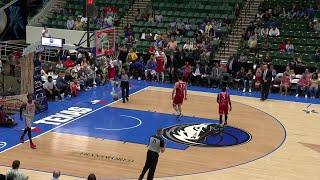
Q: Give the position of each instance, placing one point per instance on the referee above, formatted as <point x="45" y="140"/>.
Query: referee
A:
<point x="156" y="145"/>
<point x="124" y="86"/>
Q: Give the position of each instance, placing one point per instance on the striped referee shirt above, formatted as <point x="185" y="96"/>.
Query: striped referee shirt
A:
<point x="16" y="175"/>
<point x="155" y="143"/>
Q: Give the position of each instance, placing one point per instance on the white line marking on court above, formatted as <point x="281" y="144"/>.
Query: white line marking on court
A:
<point x="119" y="129"/>
<point x="3" y="144"/>
<point x="73" y="120"/>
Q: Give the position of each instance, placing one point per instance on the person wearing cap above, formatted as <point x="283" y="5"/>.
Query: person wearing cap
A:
<point x="156" y="145"/>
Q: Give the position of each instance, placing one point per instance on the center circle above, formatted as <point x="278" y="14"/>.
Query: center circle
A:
<point x="137" y="124"/>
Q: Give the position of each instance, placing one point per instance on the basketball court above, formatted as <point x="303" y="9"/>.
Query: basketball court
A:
<point x="275" y="139"/>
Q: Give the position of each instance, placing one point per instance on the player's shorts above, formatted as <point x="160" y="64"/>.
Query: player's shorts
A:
<point x="177" y="100"/>
<point x="223" y="110"/>
<point x="28" y="121"/>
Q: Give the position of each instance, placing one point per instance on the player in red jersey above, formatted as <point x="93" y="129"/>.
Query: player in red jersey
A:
<point x="223" y="99"/>
<point x="179" y="94"/>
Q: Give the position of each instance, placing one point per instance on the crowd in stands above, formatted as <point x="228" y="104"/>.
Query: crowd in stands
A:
<point x="165" y="59"/>
<point x="70" y="76"/>
<point x="15" y="174"/>
<point x="265" y="26"/>
<point x="106" y="18"/>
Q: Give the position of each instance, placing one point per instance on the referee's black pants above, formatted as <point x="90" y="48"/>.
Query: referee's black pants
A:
<point x="125" y="90"/>
<point x="151" y="164"/>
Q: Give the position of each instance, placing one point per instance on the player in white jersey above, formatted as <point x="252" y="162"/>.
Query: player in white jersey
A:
<point x="27" y="112"/>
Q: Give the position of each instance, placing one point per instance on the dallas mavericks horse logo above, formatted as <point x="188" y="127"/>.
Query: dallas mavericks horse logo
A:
<point x="3" y="144"/>
<point x="206" y="134"/>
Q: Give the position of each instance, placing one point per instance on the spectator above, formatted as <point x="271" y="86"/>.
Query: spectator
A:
<point x="139" y="15"/>
<point x="151" y="19"/>
<point x="240" y="75"/>
<point x="205" y="73"/>
<point x="74" y="87"/>
<point x="282" y="46"/>
<point x="317" y="55"/>
<point x="99" y="20"/>
<point x="258" y="77"/>
<point x="108" y="21"/>
<point x="14" y="173"/>
<point x="316" y="25"/>
<point x="289" y="47"/>
<point x="196" y="74"/>
<point x="266" y="45"/>
<point x="264" y="32"/>
<point x="62" y="84"/>
<point x="274" y="31"/>
<point x="172" y="45"/>
<point x="68" y="63"/>
<point x="78" y="24"/>
<point x="310" y="12"/>
<point x="173" y="28"/>
<point x="214" y="78"/>
<point x="138" y="68"/>
<point x="149" y="36"/>
<point x="248" y="80"/>
<point x="150" y="69"/>
<point x="51" y="89"/>
<point x="143" y="35"/>
<point x="186" y="72"/>
<point x="267" y="58"/>
<point x="132" y="56"/>
<point x="158" y="17"/>
<point x="45" y="32"/>
<point x="285" y="84"/>
<point x="303" y="85"/>
<point x="243" y="58"/>
<point x="92" y="177"/>
<point x="70" y="23"/>
<point x="59" y="66"/>
<point x="12" y="62"/>
<point x="188" y="46"/>
<point x="151" y="50"/>
<point x="284" y="13"/>
<point x="308" y="74"/>
<point x="188" y="26"/>
<point x="314" y="85"/>
<point x="56" y="175"/>
<point x="5" y="120"/>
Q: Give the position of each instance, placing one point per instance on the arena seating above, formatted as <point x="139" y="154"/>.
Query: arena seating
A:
<point x="192" y="11"/>
<point x="304" y="42"/>
<point x="297" y="30"/>
<point x="59" y="20"/>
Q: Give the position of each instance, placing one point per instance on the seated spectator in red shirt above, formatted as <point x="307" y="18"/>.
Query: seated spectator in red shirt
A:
<point x="282" y="46"/>
<point x="74" y="87"/>
<point x="68" y="63"/>
<point x="285" y="84"/>
<point x="303" y="85"/>
<point x="151" y="50"/>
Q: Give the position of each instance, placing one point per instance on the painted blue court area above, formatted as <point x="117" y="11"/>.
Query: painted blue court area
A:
<point x="89" y="115"/>
<point x="126" y="125"/>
